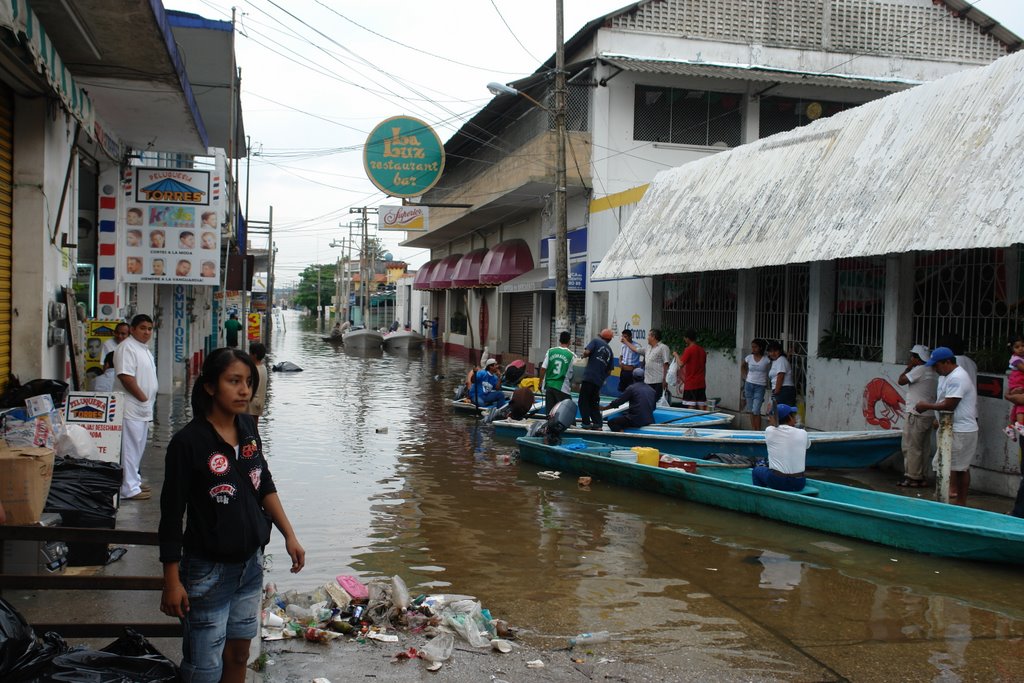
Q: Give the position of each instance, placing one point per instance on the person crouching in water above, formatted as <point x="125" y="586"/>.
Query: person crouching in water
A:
<point x="216" y="476"/>
<point x="787" y="453"/>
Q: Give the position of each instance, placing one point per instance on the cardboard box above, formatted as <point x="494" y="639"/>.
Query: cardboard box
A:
<point x="25" y="476"/>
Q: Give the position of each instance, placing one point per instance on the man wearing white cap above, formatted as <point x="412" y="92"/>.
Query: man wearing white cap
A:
<point x="486" y="389"/>
<point x="920" y="381"/>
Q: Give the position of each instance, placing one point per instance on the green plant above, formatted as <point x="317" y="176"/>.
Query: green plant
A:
<point x="712" y="340"/>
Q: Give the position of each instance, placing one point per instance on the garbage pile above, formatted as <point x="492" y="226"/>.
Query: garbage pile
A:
<point x="378" y="611"/>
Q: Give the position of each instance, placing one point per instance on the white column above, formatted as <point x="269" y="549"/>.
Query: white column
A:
<point x="821" y="303"/>
<point x="746" y="308"/>
<point x="898" y="328"/>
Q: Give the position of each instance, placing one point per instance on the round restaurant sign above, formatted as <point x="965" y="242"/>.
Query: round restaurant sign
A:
<point x="403" y="157"/>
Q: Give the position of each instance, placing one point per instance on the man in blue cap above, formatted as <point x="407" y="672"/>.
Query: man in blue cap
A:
<point x="787" y="453"/>
<point x="641" y="399"/>
<point x="956" y="393"/>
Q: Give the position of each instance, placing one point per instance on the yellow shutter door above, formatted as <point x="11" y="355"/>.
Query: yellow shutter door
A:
<point x="6" y="212"/>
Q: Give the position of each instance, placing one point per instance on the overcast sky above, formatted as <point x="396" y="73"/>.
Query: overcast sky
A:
<point x="317" y="75"/>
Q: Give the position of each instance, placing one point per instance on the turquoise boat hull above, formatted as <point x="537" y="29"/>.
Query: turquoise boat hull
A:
<point x="827" y="450"/>
<point x="909" y="523"/>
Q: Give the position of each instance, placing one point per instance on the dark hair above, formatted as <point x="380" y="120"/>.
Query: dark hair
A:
<point x="564" y="337"/>
<point x="108" y="360"/>
<point x="656" y="333"/>
<point x="233" y="315"/>
<point x="761" y="344"/>
<point x="257" y="351"/>
<point x="141" y="318"/>
<point x="954" y="342"/>
<point x="628" y="334"/>
<point x="214" y="366"/>
<point x="121" y="323"/>
<point x="775" y="346"/>
<point x="690" y="334"/>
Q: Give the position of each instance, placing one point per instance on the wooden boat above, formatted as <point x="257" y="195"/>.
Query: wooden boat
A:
<point x="901" y="522"/>
<point x="669" y="418"/>
<point x="363" y="339"/>
<point x="826" y="449"/>
<point x="403" y="340"/>
<point x="466" y="405"/>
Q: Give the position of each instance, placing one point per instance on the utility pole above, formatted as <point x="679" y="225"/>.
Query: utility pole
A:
<point x="561" y="220"/>
<point x="364" y="290"/>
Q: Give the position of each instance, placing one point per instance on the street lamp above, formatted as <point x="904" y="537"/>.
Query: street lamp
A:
<point x="561" y="220"/>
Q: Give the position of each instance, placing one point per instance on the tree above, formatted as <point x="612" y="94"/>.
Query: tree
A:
<point x="314" y="279"/>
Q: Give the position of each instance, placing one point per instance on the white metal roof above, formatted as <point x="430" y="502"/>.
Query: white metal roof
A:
<point x="939" y="166"/>
<point x="752" y="72"/>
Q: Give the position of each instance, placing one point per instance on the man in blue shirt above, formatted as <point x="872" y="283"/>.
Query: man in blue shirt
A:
<point x="486" y="389"/>
<point x="599" y="366"/>
<point x="641" y="399"/>
<point x="629" y="360"/>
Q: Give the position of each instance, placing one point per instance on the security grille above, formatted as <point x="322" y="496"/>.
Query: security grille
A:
<point x="701" y="301"/>
<point x="687" y="117"/>
<point x="924" y="30"/>
<point x="779" y="114"/>
<point x="974" y="293"/>
<point x="520" y="329"/>
<point x="577" y="323"/>
<point x="781" y="313"/>
<point x="859" y="315"/>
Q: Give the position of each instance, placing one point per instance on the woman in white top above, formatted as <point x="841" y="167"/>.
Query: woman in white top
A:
<point x="754" y="373"/>
<point x="780" y="376"/>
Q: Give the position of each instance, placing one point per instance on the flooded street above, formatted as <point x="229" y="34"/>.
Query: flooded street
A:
<point x="380" y="478"/>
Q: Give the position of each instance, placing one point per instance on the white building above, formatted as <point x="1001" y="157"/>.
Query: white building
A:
<point x="653" y="86"/>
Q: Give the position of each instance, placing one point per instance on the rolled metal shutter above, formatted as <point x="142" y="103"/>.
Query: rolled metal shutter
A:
<point x="6" y="227"/>
<point x="520" y="332"/>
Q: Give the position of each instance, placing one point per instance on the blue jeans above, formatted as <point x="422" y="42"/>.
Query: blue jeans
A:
<point x="763" y="476"/>
<point x="754" y="393"/>
<point x="224" y="603"/>
<point x="491" y="398"/>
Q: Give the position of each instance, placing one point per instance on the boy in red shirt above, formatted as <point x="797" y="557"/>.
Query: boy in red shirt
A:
<point x="692" y="363"/>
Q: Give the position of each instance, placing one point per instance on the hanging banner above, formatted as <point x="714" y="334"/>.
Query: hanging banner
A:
<point x="171" y="229"/>
<point x="403" y="157"/>
<point x="407" y="218"/>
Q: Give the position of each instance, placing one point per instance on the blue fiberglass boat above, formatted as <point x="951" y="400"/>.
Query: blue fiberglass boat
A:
<point x="909" y="523"/>
<point x="826" y="450"/>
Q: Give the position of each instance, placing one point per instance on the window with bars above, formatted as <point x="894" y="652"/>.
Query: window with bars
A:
<point x="781" y="313"/>
<point x="859" y="315"/>
<point x="779" y="114"/>
<point x="973" y="293"/>
<point x="577" y="323"/>
<point x="687" y="117"/>
<point x="701" y="301"/>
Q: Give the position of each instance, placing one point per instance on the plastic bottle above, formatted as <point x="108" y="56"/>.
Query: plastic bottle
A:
<point x="590" y="638"/>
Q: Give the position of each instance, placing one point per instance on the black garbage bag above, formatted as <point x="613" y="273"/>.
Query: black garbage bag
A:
<point x="129" y="659"/>
<point x="84" y="489"/>
<point x="23" y="656"/>
<point x="16" y="393"/>
<point x="286" y="366"/>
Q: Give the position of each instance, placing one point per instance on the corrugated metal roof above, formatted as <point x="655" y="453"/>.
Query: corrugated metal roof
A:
<point x="935" y="167"/>
<point x="752" y="72"/>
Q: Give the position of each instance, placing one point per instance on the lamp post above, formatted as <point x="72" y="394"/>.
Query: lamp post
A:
<point x="561" y="220"/>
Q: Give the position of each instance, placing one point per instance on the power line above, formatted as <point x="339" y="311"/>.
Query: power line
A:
<point x="500" y="16"/>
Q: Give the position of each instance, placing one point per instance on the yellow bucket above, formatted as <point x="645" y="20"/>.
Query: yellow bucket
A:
<point x="531" y="383"/>
<point x="647" y="456"/>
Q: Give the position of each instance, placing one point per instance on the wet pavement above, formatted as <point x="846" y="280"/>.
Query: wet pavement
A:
<point x="379" y="478"/>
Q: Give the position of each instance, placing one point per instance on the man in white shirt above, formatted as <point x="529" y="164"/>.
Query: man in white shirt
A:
<point x="136" y="377"/>
<point x="657" y="357"/>
<point x="121" y="332"/>
<point x="920" y="381"/>
<point x="787" y="453"/>
<point x="956" y="392"/>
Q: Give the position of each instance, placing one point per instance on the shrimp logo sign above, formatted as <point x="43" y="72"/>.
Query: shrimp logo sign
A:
<point x="172" y="186"/>
<point x="883" y="404"/>
<point x="403" y="157"/>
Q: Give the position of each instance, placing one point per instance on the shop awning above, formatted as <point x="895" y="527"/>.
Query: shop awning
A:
<point x="540" y="280"/>
<point x="467" y="270"/>
<point x="920" y="170"/>
<point x="441" y="277"/>
<point x="505" y="261"/>
<point x="422" y="279"/>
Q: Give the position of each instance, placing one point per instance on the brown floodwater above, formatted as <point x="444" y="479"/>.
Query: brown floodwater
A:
<point x="379" y="478"/>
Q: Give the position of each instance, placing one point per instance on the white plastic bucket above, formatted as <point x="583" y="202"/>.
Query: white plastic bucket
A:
<point x="624" y="456"/>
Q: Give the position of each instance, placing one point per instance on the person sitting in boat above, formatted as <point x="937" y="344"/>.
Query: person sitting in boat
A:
<point x="486" y="389"/>
<point x="393" y="327"/>
<point x="787" y="453"/>
<point x="641" y="398"/>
